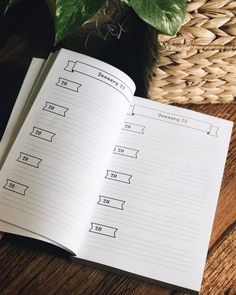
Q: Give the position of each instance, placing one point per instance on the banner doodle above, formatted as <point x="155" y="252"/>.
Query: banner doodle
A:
<point x="16" y="187"/>
<point x="67" y="84"/>
<point x="133" y="127"/>
<point x="104" y="230"/>
<point x="117" y="176"/>
<point x="55" y="109"/>
<point x="111" y="202"/>
<point x="125" y="151"/>
<point x="100" y="75"/>
<point x="43" y="134"/>
<point x="172" y="118"/>
<point x="29" y="160"/>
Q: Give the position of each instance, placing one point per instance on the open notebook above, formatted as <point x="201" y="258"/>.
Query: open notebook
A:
<point x="112" y="178"/>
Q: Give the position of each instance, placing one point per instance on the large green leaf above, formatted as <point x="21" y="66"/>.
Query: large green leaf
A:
<point x="165" y="15"/>
<point x="71" y="14"/>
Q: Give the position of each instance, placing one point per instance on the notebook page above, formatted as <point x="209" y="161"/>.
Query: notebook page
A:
<point x="155" y="211"/>
<point x="63" y="146"/>
<point x="32" y="83"/>
<point x="30" y="78"/>
<point x="23" y="98"/>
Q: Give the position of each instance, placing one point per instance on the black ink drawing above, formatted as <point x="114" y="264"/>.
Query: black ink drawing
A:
<point x="100" y="75"/>
<point x="104" y="230"/>
<point x="117" y="176"/>
<point x="16" y="187"/>
<point x="55" y="109"/>
<point x="70" y="66"/>
<point x="131" y="110"/>
<point x="67" y="84"/>
<point x="111" y="202"/>
<point x="125" y="151"/>
<point x="133" y="127"/>
<point x="29" y="160"/>
<point x="188" y="122"/>
<point x="42" y="134"/>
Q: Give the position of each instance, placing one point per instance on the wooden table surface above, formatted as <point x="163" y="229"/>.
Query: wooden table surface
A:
<point x="32" y="267"/>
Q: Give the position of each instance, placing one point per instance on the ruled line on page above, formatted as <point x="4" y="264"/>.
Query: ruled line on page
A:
<point x="55" y="213"/>
<point x="132" y="223"/>
<point x="135" y="254"/>
<point x="29" y="211"/>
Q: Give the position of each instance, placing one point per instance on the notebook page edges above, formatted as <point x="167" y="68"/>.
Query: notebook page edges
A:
<point x="154" y="214"/>
<point x="17" y="111"/>
<point x="37" y="65"/>
<point x="53" y="172"/>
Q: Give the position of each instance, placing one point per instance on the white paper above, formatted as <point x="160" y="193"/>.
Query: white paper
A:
<point x="17" y="112"/>
<point x="53" y="198"/>
<point x="33" y="81"/>
<point x="137" y="193"/>
<point x="155" y="210"/>
<point x="12" y="129"/>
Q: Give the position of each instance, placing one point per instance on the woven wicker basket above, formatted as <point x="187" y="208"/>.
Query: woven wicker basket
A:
<point x="199" y="64"/>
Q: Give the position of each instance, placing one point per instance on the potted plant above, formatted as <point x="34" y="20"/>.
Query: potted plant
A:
<point x="120" y="32"/>
<point x="164" y="15"/>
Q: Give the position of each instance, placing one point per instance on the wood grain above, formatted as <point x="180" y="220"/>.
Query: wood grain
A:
<point x="220" y="271"/>
<point x="32" y="267"/>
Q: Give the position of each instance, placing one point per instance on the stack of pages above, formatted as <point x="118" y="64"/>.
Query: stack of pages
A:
<point x="112" y="178"/>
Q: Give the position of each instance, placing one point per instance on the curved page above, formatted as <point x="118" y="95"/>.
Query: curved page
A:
<point x="24" y="101"/>
<point x="154" y="218"/>
<point x="12" y="127"/>
<point x="56" y="166"/>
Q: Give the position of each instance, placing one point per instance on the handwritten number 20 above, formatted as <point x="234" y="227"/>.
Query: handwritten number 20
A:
<point x="51" y="107"/>
<point x="25" y="158"/>
<point x="64" y="83"/>
<point x="106" y="201"/>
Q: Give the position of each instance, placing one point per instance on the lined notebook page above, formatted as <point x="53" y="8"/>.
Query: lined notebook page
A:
<point x="155" y="211"/>
<point x="13" y="126"/>
<point x="9" y="134"/>
<point x="54" y="170"/>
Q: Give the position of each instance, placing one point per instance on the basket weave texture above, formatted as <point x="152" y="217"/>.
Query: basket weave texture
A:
<point x="198" y="65"/>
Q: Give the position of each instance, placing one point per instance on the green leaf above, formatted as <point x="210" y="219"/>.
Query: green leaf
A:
<point x="71" y="14"/>
<point x="165" y="15"/>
